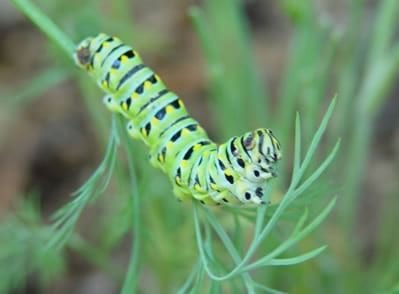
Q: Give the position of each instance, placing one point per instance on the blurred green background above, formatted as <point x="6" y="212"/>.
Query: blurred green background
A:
<point x="237" y="65"/>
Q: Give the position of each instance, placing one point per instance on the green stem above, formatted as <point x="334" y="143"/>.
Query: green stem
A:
<point x="386" y="21"/>
<point x="356" y="159"/>
<point x="46" y="25"/>
<point x="130" y="283"/>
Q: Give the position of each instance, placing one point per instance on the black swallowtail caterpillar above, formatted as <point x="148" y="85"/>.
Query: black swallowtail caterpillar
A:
<point x="233" y="172"/>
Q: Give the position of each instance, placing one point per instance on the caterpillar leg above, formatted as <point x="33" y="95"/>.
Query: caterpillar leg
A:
<point x="258" y="174"/>
<point x="180" y="193"/>
<point x="205" y="198"/>
<point x="135" y="134"/>
<point x="208" y="201"/>
<point x="133" y="131"/>
<point x="155" y="162"/>
<point x="113" y="106"/>
<point x="111" y="103"/>
<point x="226" y="196"/>
<point x="248" y="192"/>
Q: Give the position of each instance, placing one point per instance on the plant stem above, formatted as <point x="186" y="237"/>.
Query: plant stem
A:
<point x="130" y="283"/>
<point x="46" y="25"/>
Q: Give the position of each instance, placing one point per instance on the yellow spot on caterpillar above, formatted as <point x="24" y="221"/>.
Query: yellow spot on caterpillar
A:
<point x="178" y="180"/>
<point x="185" y="132"/>
<point x="200" y="129"/>
<point x="197" y="187"/>
<point x="181" y="103"/>
<point x="124" y="106"/>
<point x="196" y="147"/>
<point x="135" y="96"/>
<point x="147" y="85"/>
<point x="169" y="109"/>
<point x="104" y="83"/>
<point x="154" y="121"/>
<point x="161" y="158"/>
<point x="214" y="186"/>
<point x="144" y="132"/>
<point x="169" y="145"/>
<point x="184" y="163"/>
<point x="157" y="77"/>
<point x="124" y="59"/>
<point x="105" y="44"/>
<point x="228" y="172"/>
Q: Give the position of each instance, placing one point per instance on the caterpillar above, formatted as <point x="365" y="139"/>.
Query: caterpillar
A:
<point x="233" y="172"/>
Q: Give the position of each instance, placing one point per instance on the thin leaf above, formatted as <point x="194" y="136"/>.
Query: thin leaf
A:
<point x="188" y="283"/>
<point x="131" y="280"/>
<point x="301" y="221"/>
<point x="316" y="174"/>
<point x="297" y="151"/>
<point x="315" y="142"/>
<point x="297" y="259"/>
<point x="268" y="289"/>
<point x="66" y="218"/>
<point x="293" y="240"/>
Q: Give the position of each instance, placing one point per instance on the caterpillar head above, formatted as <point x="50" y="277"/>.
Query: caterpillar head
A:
<point x="83" y="54"/>
<point x="86" y="50"/>
<point x="263" y="147"/>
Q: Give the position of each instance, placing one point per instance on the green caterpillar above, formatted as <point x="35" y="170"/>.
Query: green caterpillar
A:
<point x="233" y="172"/>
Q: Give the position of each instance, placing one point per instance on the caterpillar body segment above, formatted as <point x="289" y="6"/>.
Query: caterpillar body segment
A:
<point x="233" y="172"/>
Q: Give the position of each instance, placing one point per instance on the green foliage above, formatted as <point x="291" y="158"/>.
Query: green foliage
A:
<point x="65" y="219"/>
<point x="22" y="236"/>
<point x="297" y="187"/>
